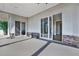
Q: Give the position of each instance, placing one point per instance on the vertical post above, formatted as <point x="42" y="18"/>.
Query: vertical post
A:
<point x="20" y="27"/>
<point x="40" y="27"/>
<point x="11" y="25"/>
<point x="8" y="26"/>
<point x="26" y="27"/>
<point x="48" y="28"/>
<point x="52" y="26"/>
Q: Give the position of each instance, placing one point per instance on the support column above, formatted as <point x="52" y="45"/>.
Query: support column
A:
<point x="20" y="27"/>
<point x="11" y="25"/>
<point x="8" y="28"/>
<point x="48" y="28"/>
<point x="26" y="28"/>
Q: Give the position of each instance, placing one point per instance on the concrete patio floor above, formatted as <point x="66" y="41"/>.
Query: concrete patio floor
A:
<point x="36" y="47"/>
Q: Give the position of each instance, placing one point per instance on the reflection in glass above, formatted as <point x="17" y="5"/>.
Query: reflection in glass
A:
<point x="44" y="27"/>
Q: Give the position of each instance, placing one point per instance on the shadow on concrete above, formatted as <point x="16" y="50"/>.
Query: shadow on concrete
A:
<point x="41" y="49"/>
<point x="61" y="43"/>
<point x="48" y="42"/>
<point x="14" y="42"/>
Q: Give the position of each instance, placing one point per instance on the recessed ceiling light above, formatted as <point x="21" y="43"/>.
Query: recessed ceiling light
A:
<point x="43" y="3"/>
<point x="38" y="3"/>
<point x="46" y="4"/>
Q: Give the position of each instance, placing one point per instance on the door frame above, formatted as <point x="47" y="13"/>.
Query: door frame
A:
<point x="19" y="28"/>
<point x="48" y="28"/>
<point x="53" y="27"/>
<point x="22" y="29"/>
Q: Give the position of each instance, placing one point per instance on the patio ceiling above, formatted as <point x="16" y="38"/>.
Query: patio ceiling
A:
<point x="25" y="9"/>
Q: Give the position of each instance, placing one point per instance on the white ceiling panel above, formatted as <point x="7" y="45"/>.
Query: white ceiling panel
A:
<point x="25" y="9"/>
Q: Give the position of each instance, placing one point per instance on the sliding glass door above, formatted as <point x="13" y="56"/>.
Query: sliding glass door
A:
<point x="23" y="28"/>
<point x="17" y="28"/>
<point x="57" y="27"/>
<point x="46" y="27"/>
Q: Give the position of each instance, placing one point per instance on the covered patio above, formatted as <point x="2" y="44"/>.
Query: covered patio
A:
<point x="39" y="29"/>
<point x="35" y="47"/>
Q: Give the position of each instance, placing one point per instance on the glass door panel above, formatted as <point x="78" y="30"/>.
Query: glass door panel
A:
<point x="23" y="28"/>
<point x="17" y="28"/>
<point x="44" y="27"/>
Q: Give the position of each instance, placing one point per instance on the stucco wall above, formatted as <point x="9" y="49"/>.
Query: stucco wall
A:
<point x="68" y="17"/>
<point x="12" y="20"/>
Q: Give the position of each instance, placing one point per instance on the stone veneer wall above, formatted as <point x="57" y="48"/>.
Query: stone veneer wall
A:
<point x="67" y="39"/>
<point x="33" y="34"/>
<point x="71" y="40"/>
